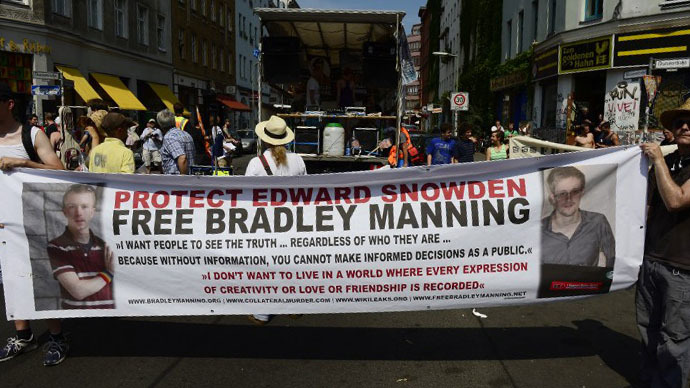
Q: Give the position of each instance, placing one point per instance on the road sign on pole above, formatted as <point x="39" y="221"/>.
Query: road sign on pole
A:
<point x="460" y="101"/>
<point x="672" y="63"/>
<point x="46" y="75"/>
<point x="46" y="90"/>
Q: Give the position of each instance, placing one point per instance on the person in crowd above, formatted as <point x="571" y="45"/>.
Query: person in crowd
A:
<point x="314" y="83"/>
<point x="571" y="235"/>
<point x="583" y="115"/>
<point x="112" y="156"/>
<point x="607" y="138"/>
<point x="440" y="149"/>
<point x="403" y="158"/>
<point x="97" y="118"/>
<point x="346" y="89"/>
<point x="177" y="151"/>
<point x="584" y="138"/>
<point x="13" y="154"/>
<point x="50" y="126"/>
<point x="133" y="139"/>
<point x="464" y="149"/>
<point x="668" y="138"/>
<point x="510" y="132"/>
<point x="498" y="150"/>
<point x="661" y="300"/>
<point x="33" y="122"/>
<point x="275" y="160"/>
<point x="82" y="263"/>
<point x="181" y="122"/>
<point x="153" y="139"/>
<point x="56" y="136"/>
<point x="88" y="137"/>
<point x="525" y="128"/>
<point x="497" y="127"/>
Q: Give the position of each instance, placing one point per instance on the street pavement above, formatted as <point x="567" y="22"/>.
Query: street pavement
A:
<point x="589" y="342"/>
<point x="585" y="343"/>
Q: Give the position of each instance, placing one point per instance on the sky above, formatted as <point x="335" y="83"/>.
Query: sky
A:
<point x="410" y="7"/>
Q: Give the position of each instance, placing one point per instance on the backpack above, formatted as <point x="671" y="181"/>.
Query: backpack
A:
<point x="69" y="150"/>
<point x="29" y="144"/>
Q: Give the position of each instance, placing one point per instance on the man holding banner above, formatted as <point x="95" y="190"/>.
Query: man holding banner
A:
<point x="663" y="301"/>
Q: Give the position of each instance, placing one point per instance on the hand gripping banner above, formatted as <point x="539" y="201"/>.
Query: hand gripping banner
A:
<point x="469" y="235"/>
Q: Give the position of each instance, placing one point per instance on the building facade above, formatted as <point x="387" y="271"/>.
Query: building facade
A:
<point x="449" y="43"/>
<point x="117" y="50"/>
<point x="589" y="49"/>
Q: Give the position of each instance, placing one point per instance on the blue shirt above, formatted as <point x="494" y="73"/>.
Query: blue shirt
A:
<point x="441" y="151"/>
<point x="175" y="144"/>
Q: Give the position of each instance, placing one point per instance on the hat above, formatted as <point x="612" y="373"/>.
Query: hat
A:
<point x="5" y="92"/>
<point x="274" y="131"/>
<point x="152" y="121"/>
<point x="113" y="121"/>
<point x="668" y="117"/>
<point x="97" y="118"/>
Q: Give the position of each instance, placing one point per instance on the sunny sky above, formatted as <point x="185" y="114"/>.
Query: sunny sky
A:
<point x="410" y="7"/>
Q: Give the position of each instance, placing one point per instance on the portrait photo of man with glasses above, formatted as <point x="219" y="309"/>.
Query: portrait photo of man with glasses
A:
<point x="577" y="246"/>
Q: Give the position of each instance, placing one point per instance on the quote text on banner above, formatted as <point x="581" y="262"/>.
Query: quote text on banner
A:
<point x="480" y="234"/>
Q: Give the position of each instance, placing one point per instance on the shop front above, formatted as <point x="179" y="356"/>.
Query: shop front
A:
<point x="511" y="96"/>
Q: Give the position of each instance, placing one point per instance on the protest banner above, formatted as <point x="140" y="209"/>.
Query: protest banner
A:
<point x="470" y="235"/>
<point x="528" y="147"/>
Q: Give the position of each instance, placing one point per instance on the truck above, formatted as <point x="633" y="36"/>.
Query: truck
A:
<point x="336" y="68"/>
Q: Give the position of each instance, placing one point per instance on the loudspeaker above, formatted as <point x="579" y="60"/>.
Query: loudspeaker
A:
<point x="280" y="60"/>
<point x="378" y="65"/>
<point x="368" y="138"/>
<point x="307" y="140"/>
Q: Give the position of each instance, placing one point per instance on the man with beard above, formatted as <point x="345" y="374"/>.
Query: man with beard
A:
<point x="571" y="235"/>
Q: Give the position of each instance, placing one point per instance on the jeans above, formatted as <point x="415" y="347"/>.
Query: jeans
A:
<point x="663" y="318"/>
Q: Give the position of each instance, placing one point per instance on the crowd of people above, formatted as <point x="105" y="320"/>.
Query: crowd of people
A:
<point x="664" y="276"/>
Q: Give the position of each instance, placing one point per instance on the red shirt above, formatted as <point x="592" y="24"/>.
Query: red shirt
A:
<point x="86" y="260"/>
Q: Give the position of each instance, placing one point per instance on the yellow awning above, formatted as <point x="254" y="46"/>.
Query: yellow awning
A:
<point x="81" y="84"/>
<point x="117" y="90"/>
<point x="166" y="95"/>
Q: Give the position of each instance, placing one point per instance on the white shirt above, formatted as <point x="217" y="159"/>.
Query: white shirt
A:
<point x="495" y="128"/>
<point x="151" y="144"/>
<point x="313" y="84"/>
<point x="18" y="150"/>
<point x="295" y="166"/>
<point x="215" y="130"/>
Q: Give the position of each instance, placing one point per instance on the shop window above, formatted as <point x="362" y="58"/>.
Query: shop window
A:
<point x="121" y="18"/>
<point x="593" y="9"/>
<point x="62" y="7"/>
<point x="142" y="25"/>
<point x="160" y="32"/>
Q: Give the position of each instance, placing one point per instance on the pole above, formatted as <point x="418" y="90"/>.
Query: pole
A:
<point x="258" y="80"/>
<point x="649" y="102"/>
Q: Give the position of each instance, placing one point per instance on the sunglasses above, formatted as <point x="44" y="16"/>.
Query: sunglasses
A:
<point x="567" y="195"/>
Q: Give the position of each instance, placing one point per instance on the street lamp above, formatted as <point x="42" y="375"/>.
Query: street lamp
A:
<point x="447" y="55"/>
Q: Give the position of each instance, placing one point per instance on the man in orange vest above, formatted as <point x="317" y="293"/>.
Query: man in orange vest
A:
<point x="405" y="146"/>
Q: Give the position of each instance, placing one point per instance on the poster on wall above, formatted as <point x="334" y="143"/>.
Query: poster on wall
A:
<point x="86" y="245"/>
<point x="622" y="109"/>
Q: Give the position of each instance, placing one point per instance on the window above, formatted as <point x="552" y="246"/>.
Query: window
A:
<point x="62" y="7"/>
<point x="94" y="14"/>
<point x="593" y="9"/>
<point x="221" y="60"/>
<point x="204" y="53"/>
<point x="535" y="15"/>
<point x="202" y="7"/>
<point x="195" y="52"/>
<point x="160" y="32"/>
<point x="142" y="25"/>
<point x="180" y="2"/>
<point x="180" y="43"/>
<point x="192" y="5"/>
<point x="230" y="20"/>
<point x="121" y="18"/>
<point x="509" y="47"/>
<point x="214" y="58"/>
<point x="212" y="10"/>
<point x="221" y="15"/>
<point x="251" y="34"/>
<point x="521" y="30"/>
<point x="552" y="17"/>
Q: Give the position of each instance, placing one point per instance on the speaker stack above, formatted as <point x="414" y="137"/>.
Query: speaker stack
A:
<point x="280" y="60"/>
<point x="307" y="140"/>
<point x="379" y="65"/>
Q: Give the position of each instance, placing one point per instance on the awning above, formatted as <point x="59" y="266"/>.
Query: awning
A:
<point x="166" y="95"/>
<point x="81" y="84"/>
<point x="234" y="105"/>
<point x="117" y="90"/>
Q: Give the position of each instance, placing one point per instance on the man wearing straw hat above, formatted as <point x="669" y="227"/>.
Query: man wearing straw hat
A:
<point x="663" y="289"/>
<point x="275" y="160"/>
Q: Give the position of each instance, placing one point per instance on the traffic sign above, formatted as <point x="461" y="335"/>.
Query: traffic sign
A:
<point x="632" y="74"/>
<point x="46" y="75"/>
<point x="45" y="90"/>
<point x="672" y="63"/>
<point x="256" y="53"/>
<point x="460" y="101"/>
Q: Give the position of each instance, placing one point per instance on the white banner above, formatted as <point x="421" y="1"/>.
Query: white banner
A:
<point x="528" y="147"/>
<point x="622" y="107"/>
<point x="481" y="234"/>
